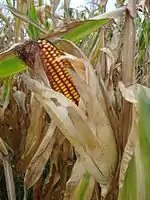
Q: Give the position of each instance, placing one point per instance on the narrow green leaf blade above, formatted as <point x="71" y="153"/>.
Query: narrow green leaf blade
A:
<point x="129" y="189"/>
<point x="33" y="31"/>
<point x="144" y="138"/>
<point x="85" y="29"/>
<point x="11" y="65"/>
<point x="82" y="187"/>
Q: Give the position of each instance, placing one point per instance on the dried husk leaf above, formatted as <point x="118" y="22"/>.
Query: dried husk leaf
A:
<point x="90" y="148"/>
<point x="41" y="156"/>
<point x="70" y="48"/>
<point x="34" y="133"/>
<point x="20" y="96"/>
<point x="85" y="71"/>
<point x="128" y="93"/>
<point x="97" y="119"/>
<point x="131" y="93"/>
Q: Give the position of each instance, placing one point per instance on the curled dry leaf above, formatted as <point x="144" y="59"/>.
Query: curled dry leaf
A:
<point x="41" y="156"/>
<point x="129" y="148"/>
<point x="96" y="149"/>
<point x="34" y="132"/>
<point x="20" y="96"/>
<point x="128" y="93"/>
<point x="70" y="48"/>
<point x="132" y="92"/>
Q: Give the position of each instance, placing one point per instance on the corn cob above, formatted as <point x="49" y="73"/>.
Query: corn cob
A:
<point x="56" y="71"/>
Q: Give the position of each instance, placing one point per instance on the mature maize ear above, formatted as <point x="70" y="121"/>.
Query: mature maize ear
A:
<point x="56" y="70"/>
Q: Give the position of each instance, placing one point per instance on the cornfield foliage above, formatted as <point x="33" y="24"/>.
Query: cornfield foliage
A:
<point x="52" y="147"/>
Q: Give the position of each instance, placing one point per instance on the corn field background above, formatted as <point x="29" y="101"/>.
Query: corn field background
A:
<point x="52" y="148"/>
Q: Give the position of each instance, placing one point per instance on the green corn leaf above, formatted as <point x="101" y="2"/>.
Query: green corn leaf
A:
<point x="82" y="187"/>
<point x="129" y="190"/>
<point x="11" y="65"/>
<point x="144" y="138"/>
<point x="137" y="180"/>
<point x="34" y="32"/>
<point x="85" y="29"/>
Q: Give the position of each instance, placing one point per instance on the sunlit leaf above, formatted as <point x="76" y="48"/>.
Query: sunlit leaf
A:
<point x="10" y="66"/>
<point x="128" y="191"/>
<point x="144" y="138"/>
<point x="83" y="188"/>
<point x="85" y="29"/>
<point x="32" y="30"/>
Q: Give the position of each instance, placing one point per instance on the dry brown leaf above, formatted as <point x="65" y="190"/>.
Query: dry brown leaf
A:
<point x="3" y="148"/>
<point x="9" y="179"/>
<point x="129" y="148"/>
<point x="41" y="156"/>
<point x="70" y="48"/>
<point x="131" y="93"/>
<point x="34" y="133"/>
<point x="110" y="62"/>
<point x="19" y="97"/>
<point x="128" y="93"/>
